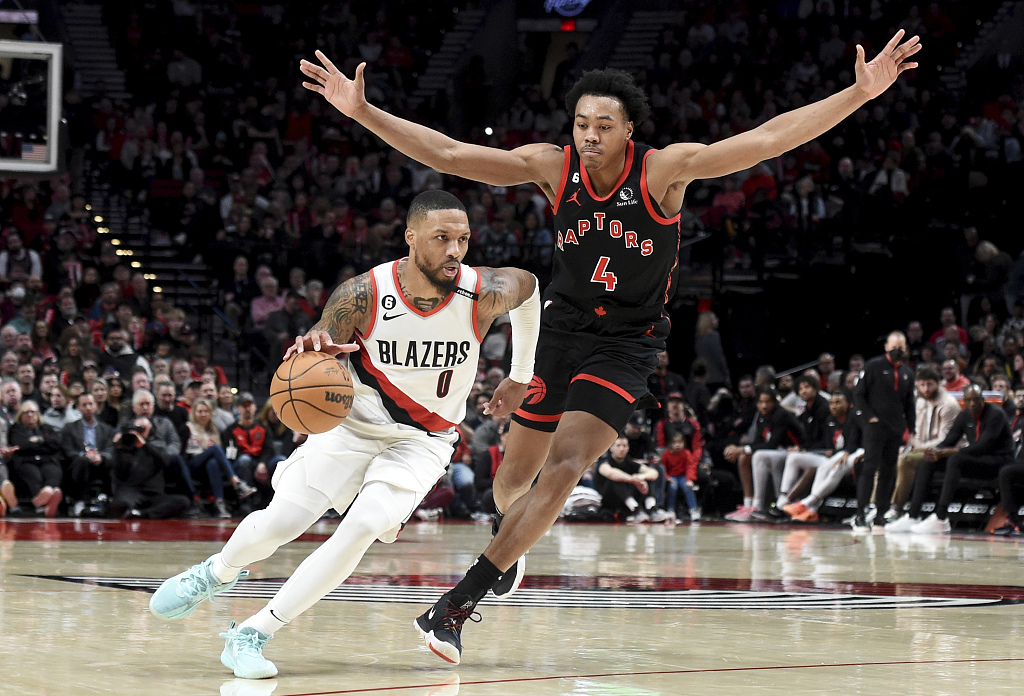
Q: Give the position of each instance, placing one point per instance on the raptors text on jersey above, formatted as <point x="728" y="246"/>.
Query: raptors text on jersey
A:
<point x="615" y="255"/>
<point x="421" y="365"/>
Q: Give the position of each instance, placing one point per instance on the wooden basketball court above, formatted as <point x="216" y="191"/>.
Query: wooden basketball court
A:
<point x="605" y="609"/>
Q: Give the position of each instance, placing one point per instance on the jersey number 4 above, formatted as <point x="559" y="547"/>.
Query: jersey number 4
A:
<point x="602" y="275"/>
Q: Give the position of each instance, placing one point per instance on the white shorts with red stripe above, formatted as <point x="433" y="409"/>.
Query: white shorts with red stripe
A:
<point x="340" y="462"/>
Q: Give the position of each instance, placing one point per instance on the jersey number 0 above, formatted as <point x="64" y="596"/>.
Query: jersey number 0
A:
<point x="444" y="383"/>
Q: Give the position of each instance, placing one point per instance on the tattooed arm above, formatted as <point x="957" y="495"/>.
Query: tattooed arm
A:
<point x="348" y="310"/>
<point x="501" y="290"/>
<point x="514" y="291"/>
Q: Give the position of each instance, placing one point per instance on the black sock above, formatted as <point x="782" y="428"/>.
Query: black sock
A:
<point x="478" y="579"/>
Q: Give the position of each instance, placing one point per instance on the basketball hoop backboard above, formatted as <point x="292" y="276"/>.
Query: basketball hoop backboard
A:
<point x="30" y="101"/>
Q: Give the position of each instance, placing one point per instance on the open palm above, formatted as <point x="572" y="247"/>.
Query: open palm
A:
<point x="346" y="95"/>
<point x="877" y="76"/>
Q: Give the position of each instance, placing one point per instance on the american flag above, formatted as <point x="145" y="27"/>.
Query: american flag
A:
<point x="33" y="153"/>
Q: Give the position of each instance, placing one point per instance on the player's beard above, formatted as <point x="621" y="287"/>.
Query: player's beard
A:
<point x="436" y="276"/>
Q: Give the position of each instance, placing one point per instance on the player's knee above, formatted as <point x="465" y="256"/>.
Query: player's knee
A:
<point x="563" y="473"/>
<point x="511" y="478"/>
<point x="374" y="513"/>
<point x="368" y="527"/>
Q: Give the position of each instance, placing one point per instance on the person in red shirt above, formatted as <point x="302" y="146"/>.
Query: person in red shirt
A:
<point x="681" y="473"/>
<point x="952" y="380"/>
<point x="679" y="418"/>
<point x="244" y="443"/>
<point x="948" y="318"/>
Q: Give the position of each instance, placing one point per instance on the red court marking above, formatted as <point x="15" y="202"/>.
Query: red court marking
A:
<point x="606" y="675"/>
<point x="124" y="530"/>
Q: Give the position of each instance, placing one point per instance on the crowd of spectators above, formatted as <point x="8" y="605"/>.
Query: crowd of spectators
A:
<point x="120" y="415"/>
<point x="777" y="446"/>
<point x="229" y="155"/>
<point x="689" y="458"/>
<point x="226" y="157"/>
<point x="898" y="166"/>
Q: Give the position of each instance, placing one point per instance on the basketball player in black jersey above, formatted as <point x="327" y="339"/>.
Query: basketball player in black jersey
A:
<point x="616" y="207"/>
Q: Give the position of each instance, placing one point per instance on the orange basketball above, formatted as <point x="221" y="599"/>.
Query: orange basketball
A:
<point x="311" y="392"/>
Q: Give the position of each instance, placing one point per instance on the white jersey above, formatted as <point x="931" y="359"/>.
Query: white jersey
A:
<point x="414" y="367"/>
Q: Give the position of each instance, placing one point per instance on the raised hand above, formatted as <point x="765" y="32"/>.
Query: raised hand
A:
<point x="877" y="76"/>
<point x="345" y="95"/>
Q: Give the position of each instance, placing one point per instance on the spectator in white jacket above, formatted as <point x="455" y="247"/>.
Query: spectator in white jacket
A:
<point x="936" y="410"/>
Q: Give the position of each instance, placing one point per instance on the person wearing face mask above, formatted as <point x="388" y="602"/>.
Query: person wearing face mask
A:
<point x="885" y="397"/>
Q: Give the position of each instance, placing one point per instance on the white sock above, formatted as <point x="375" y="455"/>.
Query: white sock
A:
<point x="782" y="502"/>
<point x="265" y="621"/>
<point x="222" y="571"/>
<point x="632" y="504"/>
<point x="649" y="502"/>
<point x="756" y="504"/>
<point x="748" y="502"/>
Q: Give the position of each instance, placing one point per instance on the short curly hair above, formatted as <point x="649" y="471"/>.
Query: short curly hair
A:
<point x="610" y="82"/>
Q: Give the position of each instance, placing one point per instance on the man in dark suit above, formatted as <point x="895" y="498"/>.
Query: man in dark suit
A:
<point x="885" y="396"/>
<point x="88" y="455"/>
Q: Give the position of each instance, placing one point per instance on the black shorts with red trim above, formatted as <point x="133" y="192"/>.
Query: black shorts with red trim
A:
<point x="603" y="376"/>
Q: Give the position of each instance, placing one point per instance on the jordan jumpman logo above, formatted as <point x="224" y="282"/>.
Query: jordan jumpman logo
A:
<point x="574" y="199"/>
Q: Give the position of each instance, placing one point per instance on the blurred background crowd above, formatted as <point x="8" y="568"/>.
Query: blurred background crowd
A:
<point x="226" y="171"/>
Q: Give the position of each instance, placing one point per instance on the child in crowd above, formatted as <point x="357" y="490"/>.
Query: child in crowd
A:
<point x="681" y="473"/>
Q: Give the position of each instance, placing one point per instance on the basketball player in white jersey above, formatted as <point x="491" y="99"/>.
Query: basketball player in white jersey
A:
<point x="416" y="324"/>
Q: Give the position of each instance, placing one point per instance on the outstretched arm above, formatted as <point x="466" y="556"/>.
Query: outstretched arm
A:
<point x="686" y="162"/>
<point x="540" y="163"/>
<point x="514" y="291"/>
<point x="349" y="308"/>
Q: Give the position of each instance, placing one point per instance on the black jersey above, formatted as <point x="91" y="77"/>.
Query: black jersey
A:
<point x="616" y="255"/>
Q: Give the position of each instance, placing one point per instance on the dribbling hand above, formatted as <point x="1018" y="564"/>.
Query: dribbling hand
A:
<point x="345" y="95"/>
<point x="319" y="341"/>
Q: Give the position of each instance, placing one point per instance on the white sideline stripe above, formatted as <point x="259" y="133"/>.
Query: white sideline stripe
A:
<point x="587" y="597"/>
